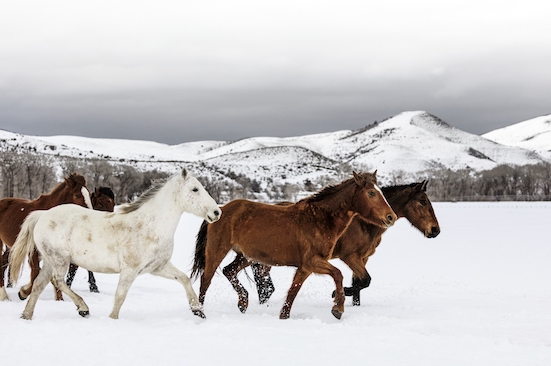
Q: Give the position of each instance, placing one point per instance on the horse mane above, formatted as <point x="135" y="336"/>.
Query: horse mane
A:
<point x="74" y="177"/>
<point x="107" y="191"/>
<point x="143" y="198"/>
<point x="393" y="189"/>
<point x="335" y="189"/>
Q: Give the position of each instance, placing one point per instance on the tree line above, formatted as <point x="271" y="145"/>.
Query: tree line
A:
<point x="27" y="175"/>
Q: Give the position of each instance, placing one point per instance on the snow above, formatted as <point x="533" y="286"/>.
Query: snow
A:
<point x="533" y="134"/>
<point x="478" y="294"/>
<point x="411" y="142"/>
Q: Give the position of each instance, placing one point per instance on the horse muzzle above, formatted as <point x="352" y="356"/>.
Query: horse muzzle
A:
<point x="389" y="220"/>
<point x="214" y="216"/>
<point x="433" y="233"/>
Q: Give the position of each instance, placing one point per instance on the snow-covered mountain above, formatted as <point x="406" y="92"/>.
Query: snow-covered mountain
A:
<point x="534" y="134"/>
<point x="411" y="142"/>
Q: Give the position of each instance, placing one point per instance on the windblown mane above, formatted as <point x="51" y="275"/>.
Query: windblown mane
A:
<point x="107" y="191"/>
<point x="326" y="192"/>
<point x="76" y="178"/>
<point x="397" y="188"/>
<point x="143" y="198"/>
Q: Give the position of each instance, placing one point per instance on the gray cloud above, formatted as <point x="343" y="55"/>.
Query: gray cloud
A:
<point x="183" y="71"/>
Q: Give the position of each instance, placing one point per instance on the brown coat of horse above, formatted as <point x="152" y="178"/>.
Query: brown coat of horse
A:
<point x="302" y="235"/>
<point x="361" y="239"/>
<point x="13" y="212"/>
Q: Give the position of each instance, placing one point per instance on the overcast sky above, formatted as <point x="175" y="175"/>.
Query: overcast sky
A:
<point x="178" y="71"/>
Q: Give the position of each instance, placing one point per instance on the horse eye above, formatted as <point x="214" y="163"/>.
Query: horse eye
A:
<point x="195" y="189"/>
<point x="371" y="194"/>
<point x="78" y="195"/>
<point x="423" y="202"/>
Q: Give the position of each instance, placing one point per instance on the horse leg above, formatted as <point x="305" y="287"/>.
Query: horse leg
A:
<point x="264" y="284"/>
<point x="41" y="281"/>
<point x="92" y="282"/>
<point x="172" y="273"/>
<point x="300" y="276"/>
<point x="71" y="274"/>
<point x="214" y="257"/>
<point x="360" y="278"/>
<point x="126" y="279"/>
<point x="231" y="271"/>
<point x="3" y="267"/>
<point x="59" y="283"/>
<point x="319" y="265"/>
<point x="34" y="263"/>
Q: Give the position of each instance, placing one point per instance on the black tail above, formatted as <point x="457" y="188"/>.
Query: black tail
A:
<point x="200" y="246"/>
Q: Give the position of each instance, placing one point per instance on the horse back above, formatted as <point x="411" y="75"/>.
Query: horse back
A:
<point x="271" y="234"/>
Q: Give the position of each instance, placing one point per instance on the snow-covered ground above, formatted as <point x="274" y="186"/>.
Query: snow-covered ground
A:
<point x="478" y="294"/>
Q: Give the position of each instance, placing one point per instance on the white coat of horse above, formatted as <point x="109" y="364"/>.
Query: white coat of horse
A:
<point x="138" y="238"/>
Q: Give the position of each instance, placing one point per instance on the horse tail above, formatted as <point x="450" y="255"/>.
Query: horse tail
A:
<point x="199" y="260"/>
<point x="24" y="245"/>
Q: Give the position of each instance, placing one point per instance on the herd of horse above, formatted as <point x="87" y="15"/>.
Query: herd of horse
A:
<point x="70" y="227"/>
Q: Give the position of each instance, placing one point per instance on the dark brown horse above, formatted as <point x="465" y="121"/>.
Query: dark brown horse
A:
<point x="360" y="240"/>
<point x="103" y="199"/>
<point x="301" y="235"/>
<point x="13" y="212"/>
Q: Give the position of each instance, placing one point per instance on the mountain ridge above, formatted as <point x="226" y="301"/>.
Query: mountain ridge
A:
<point x="411" y="142"/>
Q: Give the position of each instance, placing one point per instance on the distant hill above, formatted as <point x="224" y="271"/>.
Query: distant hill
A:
<point x="411" y="143"/>
<point x="534" y="134"/>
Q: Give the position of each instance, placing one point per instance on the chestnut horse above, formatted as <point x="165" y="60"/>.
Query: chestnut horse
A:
<point x="360" y="240"/>
<point x="13" y="212"/>
<point x="301" y="235"/>
<point x="103" y="199"/>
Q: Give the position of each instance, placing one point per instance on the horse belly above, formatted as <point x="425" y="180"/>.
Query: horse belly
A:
<point x="96" y="260"/>
<point x="270" y="246"/>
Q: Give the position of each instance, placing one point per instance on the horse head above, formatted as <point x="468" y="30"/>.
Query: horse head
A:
<point x="103" y="199"/>
<point x="196" y="200"/>
<point x="75" y="191"/>
<point x="369" y="201"/>
<point x="418" y="210"/>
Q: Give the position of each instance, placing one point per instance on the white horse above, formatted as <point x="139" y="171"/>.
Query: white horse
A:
<point x="137" y="239"/>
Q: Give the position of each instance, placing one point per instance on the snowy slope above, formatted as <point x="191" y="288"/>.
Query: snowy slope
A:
<point x="410" y="142"/>
<point x="534" y="134"/>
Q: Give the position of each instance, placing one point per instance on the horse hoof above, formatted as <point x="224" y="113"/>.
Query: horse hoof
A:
<point x="337" y="314"/>
<point x="21" y="296"/>
<point x="95" y="290"/>
<point x="84" y="313"/>
<point x="199" y="313"/>
<point x="242" y="309"/>
<point x="284" y="315"/>
<point x="26" y="316"/>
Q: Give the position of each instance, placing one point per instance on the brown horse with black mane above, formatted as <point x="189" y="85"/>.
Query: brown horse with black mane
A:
<point x="301" y="235"/>
<point x="361" y="239"/>
<point x="103" y="199"/>
<point x="13" y="212"/>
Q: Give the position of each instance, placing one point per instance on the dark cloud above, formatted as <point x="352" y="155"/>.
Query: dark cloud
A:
<point x="186" y="71"/>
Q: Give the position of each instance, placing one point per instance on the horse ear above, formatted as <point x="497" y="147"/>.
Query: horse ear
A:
<point x="375" y="173"/>
<point x="424" y="186"/>
<point x="184" y="173"/>
<point x="69" y="181"/>
<point x="357" y="178"/>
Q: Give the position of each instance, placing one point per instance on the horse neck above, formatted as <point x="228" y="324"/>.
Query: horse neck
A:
<point x="337" y="208"/>
<point x="398" y="198"/>
<point x="57" y="196"/>
<point x="162" y="208"/>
